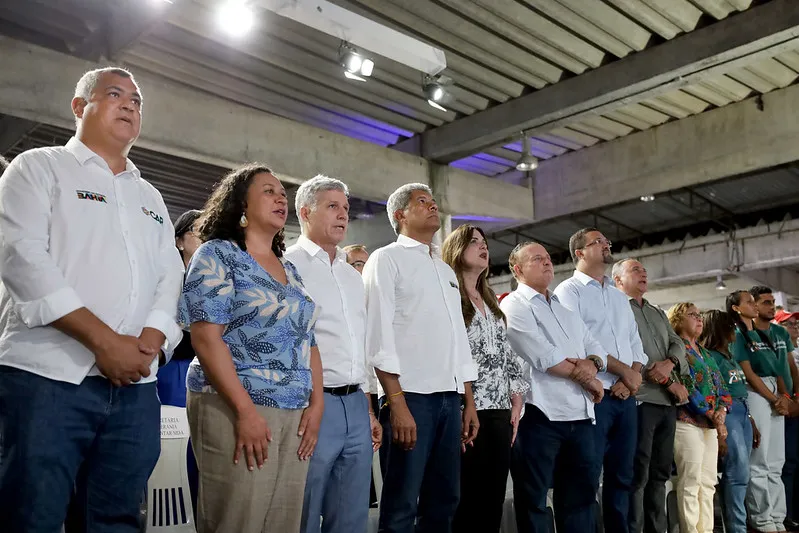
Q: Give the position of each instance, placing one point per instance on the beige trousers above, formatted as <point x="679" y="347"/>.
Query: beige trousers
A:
<point x="231" y="498"/>
<point x="695" y="453"/>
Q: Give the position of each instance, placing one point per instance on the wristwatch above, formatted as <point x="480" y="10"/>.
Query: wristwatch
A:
<point x="600" y="366"/>
<point x="675" y="361"/>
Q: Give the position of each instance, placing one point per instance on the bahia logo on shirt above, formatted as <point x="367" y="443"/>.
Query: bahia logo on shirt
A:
<point x="152" y="214"/>
<point x="89" y="195"/>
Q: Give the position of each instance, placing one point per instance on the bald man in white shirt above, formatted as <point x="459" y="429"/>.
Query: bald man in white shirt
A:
<point x="89" y="285"/>
<point x="555" y="445"/>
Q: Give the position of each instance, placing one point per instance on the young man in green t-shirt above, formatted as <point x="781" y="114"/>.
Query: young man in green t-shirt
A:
<point x="779" y="340"/>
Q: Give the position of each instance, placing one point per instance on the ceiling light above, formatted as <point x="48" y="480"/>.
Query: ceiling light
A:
<point x="354" y="63"/>
<point x="434" y="91"/>
<point x="720" y="285"/>
<point x="647" y="197"/>
<point x="527" y="161"/>
<point x="350" y="76"/>
<point x="436" y="105"/>
<point x="367" y="67"/>
<point x="235" y="17"/>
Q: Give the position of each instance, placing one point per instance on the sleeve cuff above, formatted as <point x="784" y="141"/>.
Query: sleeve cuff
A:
<point x="46" y="310"/>
<point x="469" y="372"/>
<point x="388" y="363"/>
<point x="545" y="363"/>
<point x="166" y="324"/>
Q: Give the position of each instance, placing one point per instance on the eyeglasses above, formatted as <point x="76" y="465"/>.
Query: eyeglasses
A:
<point x="358" y="264"/>
<point x="697" y="316"/>
<point x="790" y="323"/>
<point x="601" y="240"/>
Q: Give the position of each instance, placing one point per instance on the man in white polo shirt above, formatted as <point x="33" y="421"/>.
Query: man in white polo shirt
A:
<point x="89" y="283"/>
<point x="416" y="340"/>
<point x="337" y="487"/>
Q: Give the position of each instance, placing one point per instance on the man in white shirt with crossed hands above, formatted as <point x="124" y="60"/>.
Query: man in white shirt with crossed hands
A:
<point x="89" y="283"/>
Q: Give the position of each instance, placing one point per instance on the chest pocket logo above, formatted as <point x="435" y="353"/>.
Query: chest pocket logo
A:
<point x="89" y="195"/>
<point x="152" y="214"/>
<point x="736" y="376"/>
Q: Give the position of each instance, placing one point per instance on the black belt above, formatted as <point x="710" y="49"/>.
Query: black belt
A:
<point x="344" y="390"/>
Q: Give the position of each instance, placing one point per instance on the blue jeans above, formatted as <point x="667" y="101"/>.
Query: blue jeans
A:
<point x="100" y="440"/>
<point x="429" y="473"/>
<point x="562" y="455"/>
<point x="616" y="436"/>
<point x="735" y="466"/>
<point x="337" y="486"/>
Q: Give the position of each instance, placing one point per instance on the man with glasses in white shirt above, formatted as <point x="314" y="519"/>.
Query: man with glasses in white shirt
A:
<point x="89" y="285"/>
<point x="606" y="312"/>
<point x="555" y="444"/>
<point x="416" y="340"/>
<point x="337" y="487"/>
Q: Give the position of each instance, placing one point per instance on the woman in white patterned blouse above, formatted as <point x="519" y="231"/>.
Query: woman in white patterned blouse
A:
<point x="498" y="391"/>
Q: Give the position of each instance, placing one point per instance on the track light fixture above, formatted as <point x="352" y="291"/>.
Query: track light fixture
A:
<point x="356" y="67"/>
<point x="527" y="161"/>
<point x="435" y="91"/>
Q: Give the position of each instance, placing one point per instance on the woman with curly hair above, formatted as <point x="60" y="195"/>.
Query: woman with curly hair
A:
<point x="499" y="389"/>
<point x="255" y="390"/>
<point x="699" y="424"/>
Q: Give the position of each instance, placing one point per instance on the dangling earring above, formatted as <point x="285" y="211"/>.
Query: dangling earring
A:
<point x="180" y="248"/>
<point x="243" y="222"/>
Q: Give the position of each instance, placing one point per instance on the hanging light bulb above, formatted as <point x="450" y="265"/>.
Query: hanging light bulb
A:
<point x="527" y="161"/>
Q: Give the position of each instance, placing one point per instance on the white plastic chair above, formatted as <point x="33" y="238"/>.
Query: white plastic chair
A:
<point x="169" y="506"/>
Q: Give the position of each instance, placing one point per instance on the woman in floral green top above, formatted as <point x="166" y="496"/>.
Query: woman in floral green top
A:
<point x="699" y="424"/>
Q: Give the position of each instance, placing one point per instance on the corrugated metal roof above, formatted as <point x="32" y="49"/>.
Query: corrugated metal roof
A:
<point x="759" y="77"/>
<point x="496" y="50"/>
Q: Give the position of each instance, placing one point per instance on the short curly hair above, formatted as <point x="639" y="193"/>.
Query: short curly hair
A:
<point x="223" y="210"/>
<point x="677" y="313"/>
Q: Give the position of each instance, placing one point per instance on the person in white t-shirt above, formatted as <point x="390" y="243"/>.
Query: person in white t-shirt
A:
<point x="89" y="286"/>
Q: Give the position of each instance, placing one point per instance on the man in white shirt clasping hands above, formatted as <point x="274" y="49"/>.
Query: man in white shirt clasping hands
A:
<point x="555" y="443"/>
<point x="90" y="281"/>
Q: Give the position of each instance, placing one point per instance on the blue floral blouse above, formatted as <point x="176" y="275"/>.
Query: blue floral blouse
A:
<point x="269" y="325"/>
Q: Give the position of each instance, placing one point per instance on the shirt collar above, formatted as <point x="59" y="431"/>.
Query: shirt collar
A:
<point x="531" y="294"/>
<point x="84" y="154"/>
<point x="407" y="242"/>
<point x="314" y="250"/>
<point x="644" y="302"/>
<point x="585" y="279"/>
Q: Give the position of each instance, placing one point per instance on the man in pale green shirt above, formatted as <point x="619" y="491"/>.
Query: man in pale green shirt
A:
<point x="657" y="398"/>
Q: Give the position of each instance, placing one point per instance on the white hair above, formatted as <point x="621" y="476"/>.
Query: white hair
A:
<point x="88" y="82"/>
<point x="307" y="193"/>
<point x="618" y="268"/>
<point x="399" y="200"/>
